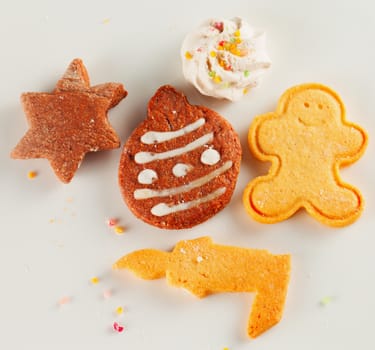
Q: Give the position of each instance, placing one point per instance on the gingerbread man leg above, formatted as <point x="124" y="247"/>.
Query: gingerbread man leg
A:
<point x="336" y="206"/>
<point x="265" y="204"/>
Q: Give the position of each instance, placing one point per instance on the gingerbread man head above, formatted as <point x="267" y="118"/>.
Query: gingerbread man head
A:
<point x="313" y="106"/>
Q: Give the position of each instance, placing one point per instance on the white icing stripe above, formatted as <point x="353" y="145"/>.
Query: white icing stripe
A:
<point x="163" y="209"/>
<point x="146" y="157"/>
<point x="160" y="136"/>
<point x="145" y="193"/>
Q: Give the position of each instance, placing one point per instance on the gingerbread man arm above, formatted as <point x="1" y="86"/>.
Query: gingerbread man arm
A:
<point x="263" y="138"/>
<point x="351" y="142"/>
<point x="264" y="127"/>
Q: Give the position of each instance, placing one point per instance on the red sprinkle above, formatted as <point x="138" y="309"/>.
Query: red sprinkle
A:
<point x="112" y="222"/>
<point x="219" y="26"/>
<point x="221" y="43"/>
<point x="117" y="327"/>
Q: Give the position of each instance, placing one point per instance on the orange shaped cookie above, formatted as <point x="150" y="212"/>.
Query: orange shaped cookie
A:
<point x="204" y="268"/>
<point x="307" y="140"/>
<point x="69" y="122"/>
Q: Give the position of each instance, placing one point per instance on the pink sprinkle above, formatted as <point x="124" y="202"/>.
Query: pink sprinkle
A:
<point x="199" y="49"/>
<point x="112" y="222"/>
<point x="117" y="327"/>
<point x="107" y="294"/>
<point x="64" y="300"/>
<point x="219" y="26"/>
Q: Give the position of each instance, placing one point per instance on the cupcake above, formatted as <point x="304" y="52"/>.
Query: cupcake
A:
<point x="224" y="58"/>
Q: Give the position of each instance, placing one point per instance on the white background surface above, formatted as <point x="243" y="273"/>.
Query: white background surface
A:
<point x="331" y="42"/>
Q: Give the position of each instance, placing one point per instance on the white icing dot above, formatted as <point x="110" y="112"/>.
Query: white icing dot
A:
<point x="181" y="169"/>
<point x="210" y="156"/>
<point x="199" y="259"/>
<point x="147" y="176"/>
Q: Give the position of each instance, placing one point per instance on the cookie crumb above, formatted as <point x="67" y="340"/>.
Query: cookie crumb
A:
<point x="64" y="300"/>
<point x="112" y="222"/>
<point x="107" y="294"/>
<point x="119" y="310"/>
<point x="119" y="230"/>
<point x="325" y="300"/>
<point x="95" y="280"/>
<point x="32" y="175"/>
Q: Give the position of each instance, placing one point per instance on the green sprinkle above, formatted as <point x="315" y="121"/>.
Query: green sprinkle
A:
<point x="225" y="85"/>
<point x="246" y="73"/>
<point x="211" y="73"/>
<point x="232" y="40"/>
<point x="326" y="300"/>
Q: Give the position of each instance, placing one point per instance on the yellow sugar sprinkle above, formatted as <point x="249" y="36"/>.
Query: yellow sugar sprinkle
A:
<point x="32" y="174"/>
<point x="94" y="280"/>
<point x="237" y="33"/>
<point x="217" y="79"/>
<point x="188" y="55"/>
<point x="213" y="54"/>
<point x="237" y="40"/>
<point x="119" y="229"/>
<point x="326" y="300"/>
<point x="106" y="20"/>
<point x="119" y="310"/>
<point x="245" y="91"/>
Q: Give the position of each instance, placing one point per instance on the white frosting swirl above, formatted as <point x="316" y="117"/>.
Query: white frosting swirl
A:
<point x="224" y="58"/>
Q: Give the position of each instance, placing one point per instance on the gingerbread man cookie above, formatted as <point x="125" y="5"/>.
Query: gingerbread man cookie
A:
<point x="307" y="140"/>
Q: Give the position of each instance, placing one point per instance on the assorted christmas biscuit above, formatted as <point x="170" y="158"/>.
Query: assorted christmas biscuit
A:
<point x="307" y="139"/>
<point x="180" y="165"/>
<point x="69" y="122"/>
<point x="204" y="268"/>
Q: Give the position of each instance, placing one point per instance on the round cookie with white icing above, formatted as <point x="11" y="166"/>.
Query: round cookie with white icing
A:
<point x="180" y="166"/>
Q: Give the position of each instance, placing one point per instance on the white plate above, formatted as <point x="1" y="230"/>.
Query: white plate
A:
<point x="137" y="44"/>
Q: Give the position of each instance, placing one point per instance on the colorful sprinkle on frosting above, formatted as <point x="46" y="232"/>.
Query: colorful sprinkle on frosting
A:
<point x="188" y="55"/>
<point x="219" y="26"/>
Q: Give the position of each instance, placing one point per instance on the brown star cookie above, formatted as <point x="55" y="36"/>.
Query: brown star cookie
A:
<point x="69" y="122"/>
